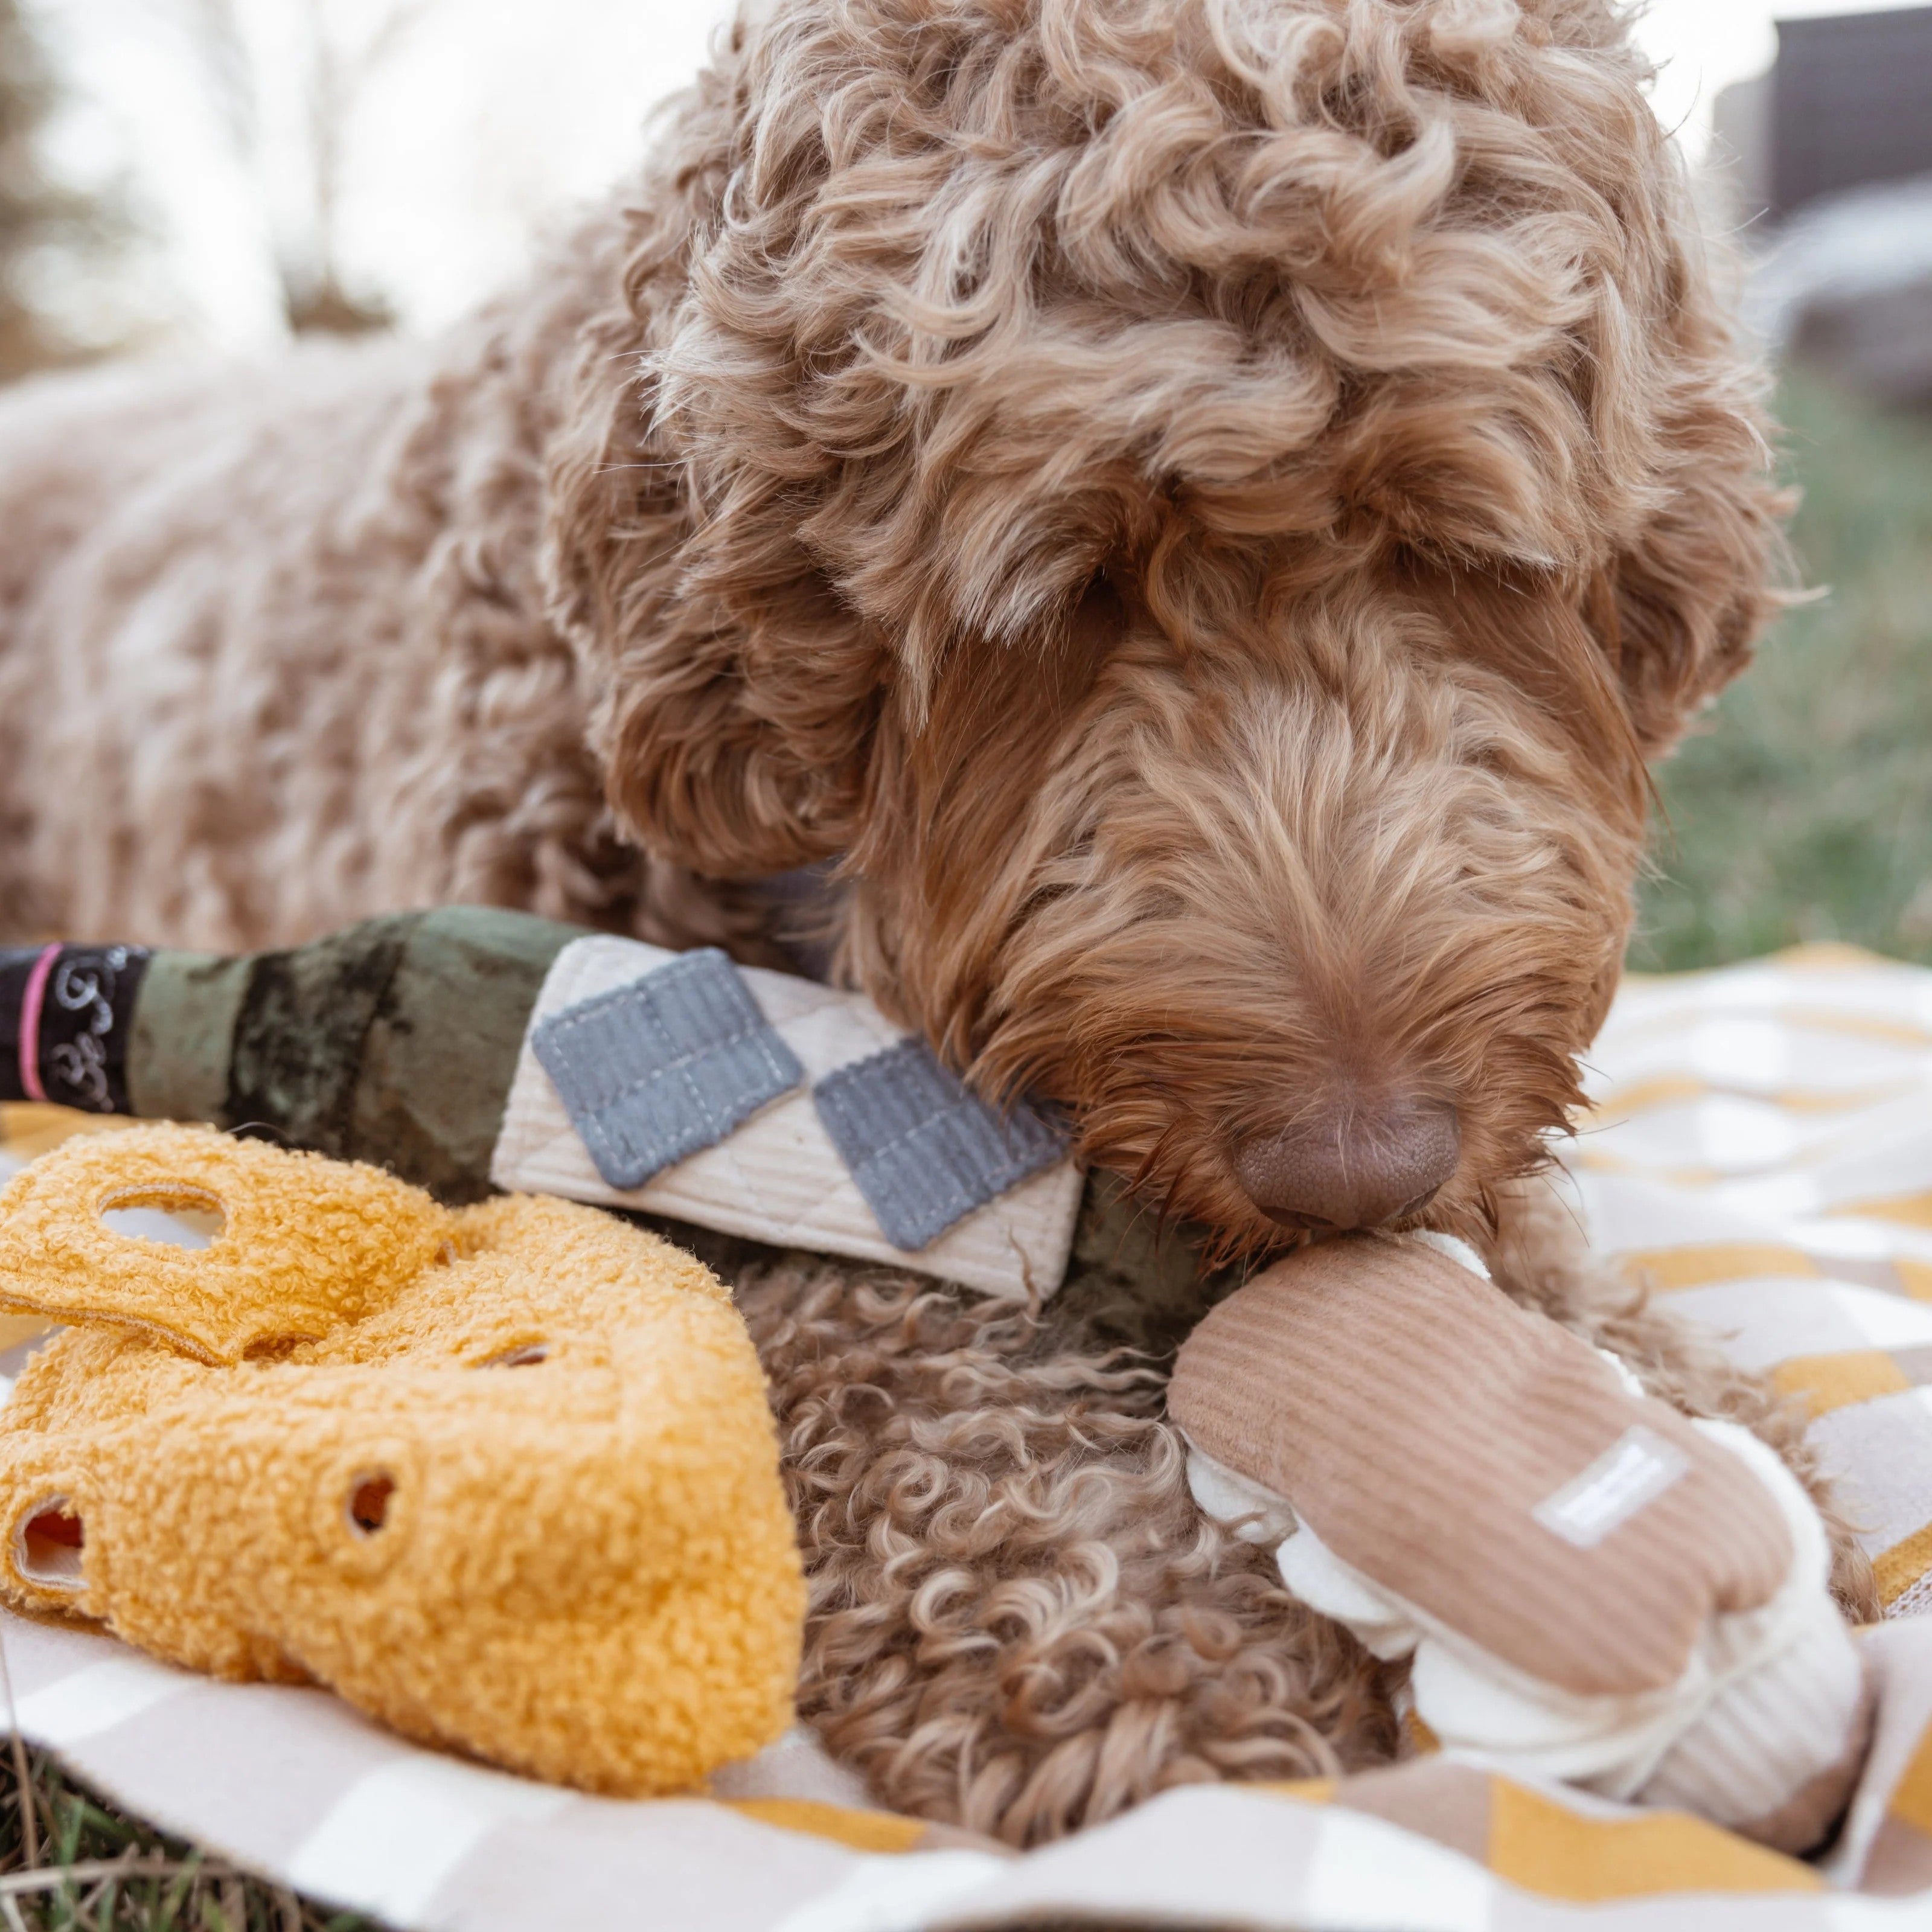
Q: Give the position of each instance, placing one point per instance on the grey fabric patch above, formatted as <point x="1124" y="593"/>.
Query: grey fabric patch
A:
<point x="924" y="1150"/>
<point x="655" y="1070"/>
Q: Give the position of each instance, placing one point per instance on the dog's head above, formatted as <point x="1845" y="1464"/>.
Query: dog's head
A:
<point x="1204" y="507"/>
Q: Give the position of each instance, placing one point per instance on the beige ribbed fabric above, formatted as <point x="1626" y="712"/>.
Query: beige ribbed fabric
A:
<point x="1741" y="1748"/>
<point x="1483" y="1463"/>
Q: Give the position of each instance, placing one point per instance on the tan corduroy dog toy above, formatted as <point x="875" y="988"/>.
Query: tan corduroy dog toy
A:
<point x="1592" y="1587"/>
<point x="504" y="1478"/>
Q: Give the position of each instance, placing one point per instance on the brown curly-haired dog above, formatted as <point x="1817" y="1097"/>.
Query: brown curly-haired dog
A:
<point x="1201" y="508"/>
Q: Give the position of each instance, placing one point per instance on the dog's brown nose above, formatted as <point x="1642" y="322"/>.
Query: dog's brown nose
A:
<point x="1353" y="1165"/>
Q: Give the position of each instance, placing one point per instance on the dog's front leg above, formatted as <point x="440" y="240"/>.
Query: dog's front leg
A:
<point x="1542" y="1258"/>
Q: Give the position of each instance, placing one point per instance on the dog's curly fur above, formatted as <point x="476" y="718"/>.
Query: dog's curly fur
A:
<point x="1021" y="1622"/>
<point x="1199" y="509"/>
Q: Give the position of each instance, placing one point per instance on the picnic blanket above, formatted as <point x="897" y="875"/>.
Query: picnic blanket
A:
<point x="1759" y="1151"/>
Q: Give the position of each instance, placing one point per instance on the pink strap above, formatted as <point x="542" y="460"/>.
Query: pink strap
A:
<point x="30" y="1000"/>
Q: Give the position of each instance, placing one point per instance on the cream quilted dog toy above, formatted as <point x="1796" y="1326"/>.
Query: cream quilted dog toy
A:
<point x="1592" y="1587"/>
<point x="505" y="1477"/>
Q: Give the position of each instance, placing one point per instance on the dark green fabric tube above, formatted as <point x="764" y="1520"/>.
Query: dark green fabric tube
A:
<point x="184" y="1036"/>
<point x="393" y="1042"/>
<point x="441" y="1048"/>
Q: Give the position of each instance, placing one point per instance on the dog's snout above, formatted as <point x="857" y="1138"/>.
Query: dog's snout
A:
<point x="1352" y="1164"/>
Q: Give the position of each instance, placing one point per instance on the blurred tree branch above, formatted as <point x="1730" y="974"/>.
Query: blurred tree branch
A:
<point x="338" y="67"/>
<point x="47" y="228"/>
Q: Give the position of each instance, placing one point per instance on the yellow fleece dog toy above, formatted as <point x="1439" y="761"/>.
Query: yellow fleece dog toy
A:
<point x="504" y="1478"/>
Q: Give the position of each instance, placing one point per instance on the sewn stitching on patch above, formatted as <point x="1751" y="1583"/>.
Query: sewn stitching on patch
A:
<point x="925" y="1151"/>
<point x="655" y="1070"/>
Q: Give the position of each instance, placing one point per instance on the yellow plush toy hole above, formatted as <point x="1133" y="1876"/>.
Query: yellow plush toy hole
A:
<point x="181" y="1216"/>
<point x="47" y="1543"/>
<point x="368" y="1505"/>
<point x="526" y="1356"/>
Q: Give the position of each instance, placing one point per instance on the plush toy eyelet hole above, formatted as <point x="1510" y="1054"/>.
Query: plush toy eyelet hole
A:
<point x="526" y="1356"/>
<point x="275" y="1348"/>
<point x="47" y="1542"/>
<point x="169" y="1216"/>
<point x="367" y="1506"/>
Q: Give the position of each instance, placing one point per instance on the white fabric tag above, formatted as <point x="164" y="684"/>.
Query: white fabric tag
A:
<point x="1635" y="1470"/>
<point x="778" y="1178"/>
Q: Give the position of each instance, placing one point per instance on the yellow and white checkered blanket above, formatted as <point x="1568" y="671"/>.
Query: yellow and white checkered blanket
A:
<point x="1760" y="1150"/>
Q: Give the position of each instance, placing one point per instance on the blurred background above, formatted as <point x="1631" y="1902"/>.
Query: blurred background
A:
<point x="215" y="176"/>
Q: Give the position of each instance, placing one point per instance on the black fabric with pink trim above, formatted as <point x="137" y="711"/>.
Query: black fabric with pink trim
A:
<point x="65" y="1015"/>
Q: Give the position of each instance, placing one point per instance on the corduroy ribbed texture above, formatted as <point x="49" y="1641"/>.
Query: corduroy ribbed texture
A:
<point x="523" y="1501"/>
<point x="1775" y="1755"/>
<point x="1415" y="1418"/>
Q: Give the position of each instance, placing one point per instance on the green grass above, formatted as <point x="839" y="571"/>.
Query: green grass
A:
<point x="1802" y="810"/>
<point x="69" y="1864"/>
